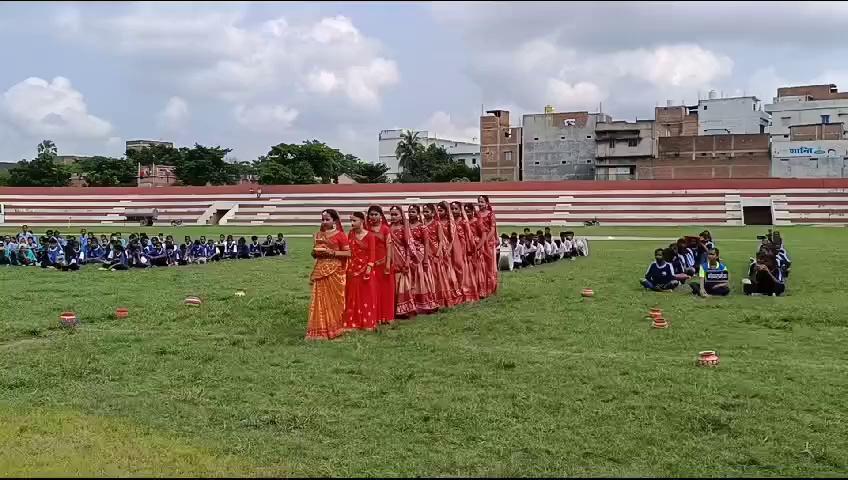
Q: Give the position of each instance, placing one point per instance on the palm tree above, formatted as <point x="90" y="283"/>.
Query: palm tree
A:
<point x="47" y="146"/>
<point x="407" y="148"/>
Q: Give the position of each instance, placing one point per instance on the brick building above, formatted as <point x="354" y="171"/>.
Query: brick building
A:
<point x="676" y="120"/>
<point x="709" y="156"/>
<point x="500" y="148"/>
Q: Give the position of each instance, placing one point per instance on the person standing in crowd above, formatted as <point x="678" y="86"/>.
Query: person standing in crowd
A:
<point x="422" y="265"/>
<point x="360" y="288"/>
<point x="401" y="263"/>
<point x="463" y="265"/>
<point x="330" y="250"/>
<point x="439" y="248"/>
<point x="475" y="252"/>
<point x="708" y="273"/>
<point x="489" y="242"/>
<point x="384" y="279"/>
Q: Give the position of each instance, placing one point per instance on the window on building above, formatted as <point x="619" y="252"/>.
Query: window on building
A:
<point x="535" y="163"/>
<point x="705" y="107"/>
<point x="611" y="143"/>
<point x="633" y="142"/>
<point x="825" y="118"/>
<point x="535" y="138"/>
<point x="507" y="156"/>
<point x="786" y="136"/>
<point x="762" y="129"/>
<point x="562" y="138"/>
<point x="588" y="136"/>
<point x="564" y="162"/>
<point x="473" y="161"/>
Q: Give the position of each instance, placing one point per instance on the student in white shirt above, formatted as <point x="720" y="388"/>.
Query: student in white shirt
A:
<point x="505" y="254"/>
<point x="518" y="252"/>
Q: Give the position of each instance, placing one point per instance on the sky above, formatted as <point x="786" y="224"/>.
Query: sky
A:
<point x="246" y="76"/>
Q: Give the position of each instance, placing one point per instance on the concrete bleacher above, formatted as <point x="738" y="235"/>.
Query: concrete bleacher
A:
<point x="712" y="202"/>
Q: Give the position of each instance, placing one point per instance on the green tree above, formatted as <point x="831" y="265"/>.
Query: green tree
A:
<point x="202" y="165"/>
<point x="158" y="154"/>
<point x="310" y="162"/>
<point x="42" y="171"/>
<point x="4" y="178"/>
<point x="408" y="149"/>
<point x="456" y="170"/>
<point x="108" y="172"/>
<point x="434" y="164"/>
<point x="371" y="173"/>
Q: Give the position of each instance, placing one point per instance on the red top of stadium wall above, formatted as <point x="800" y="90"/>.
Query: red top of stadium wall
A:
<point x="574" y="185"/>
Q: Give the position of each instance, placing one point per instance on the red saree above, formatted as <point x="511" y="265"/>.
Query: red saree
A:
<point x="463" y="265"/>
<point x="404" y="303"/>
<point x="327" y="308"/>
<point x="489" y="230"/>
<point x="475" y="258"/>
<point x="360" y="293"/>
<point x="384" y="282"/>
<point x="422" y="267"/>
<point x="448" y="288"/>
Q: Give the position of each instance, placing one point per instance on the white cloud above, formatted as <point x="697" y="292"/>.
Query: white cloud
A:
<point x="580" y="96"/>
<point x="221" y="55"/>
<point x="52" y="110"/>
<point x="442" y="125"/>
<point x="265" y="118"/>
<point x="174" y="117"/>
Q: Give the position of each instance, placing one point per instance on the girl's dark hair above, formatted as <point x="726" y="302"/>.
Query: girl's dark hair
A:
<point x="417" y="209"/>
<point x="359" y="215"/>
<point x="658" y="250"/>
<point x="485" y="198"/>
<point x="375" y="208"/>
<point x="430" y="206"/>
<point x="395" y="207"/>
<point x="334" y="215"/>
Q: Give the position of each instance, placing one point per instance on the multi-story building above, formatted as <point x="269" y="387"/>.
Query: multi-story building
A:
<point x="467" y="152"/>
<point x="621" y="147"/>
<point x="140" y="144"/>
<point x="709" y="156"/>
<point x="676" y="120"/>
<point x="560" y="146"/>
<point x="808" y="132"/>
<point x="734" y="115"/>
<point x="500" y="148"/>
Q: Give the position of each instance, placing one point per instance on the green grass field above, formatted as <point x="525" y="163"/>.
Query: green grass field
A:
<point x="535" y="381"/>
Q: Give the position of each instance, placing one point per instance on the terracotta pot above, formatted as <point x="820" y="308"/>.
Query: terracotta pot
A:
<point x="659" y="322"/>
<point x="193" y="301"/>
<point x="655" y="312"/>
<point x="588" y="292"/>
<point x="707" y="358"/>
<point x="122" y="312"/>
<point x="69" y="319"/>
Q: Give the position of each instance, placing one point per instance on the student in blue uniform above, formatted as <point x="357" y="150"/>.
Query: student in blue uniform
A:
<point x="118" y="257"/>
<point x="156" y="254"/>
<point x="280" y="245"/>
<point x="231" y="248"/>
<point x="660" y="274"/>
<point x="243" y="251"/>
<point x="713" y="276"/>
<point x="54" y="257"/>
<point x="254" y="247"/>
<point x="197" y="252"/>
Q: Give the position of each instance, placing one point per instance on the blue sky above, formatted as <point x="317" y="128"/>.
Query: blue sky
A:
<point x="249" y="75"/>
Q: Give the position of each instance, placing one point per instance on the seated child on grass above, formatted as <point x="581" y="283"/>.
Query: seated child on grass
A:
<point x="660" y="275"/>
<point x="714" y="276"/>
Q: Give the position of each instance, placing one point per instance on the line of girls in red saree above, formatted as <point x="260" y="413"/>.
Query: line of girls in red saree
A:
<point x="417" y="261"/>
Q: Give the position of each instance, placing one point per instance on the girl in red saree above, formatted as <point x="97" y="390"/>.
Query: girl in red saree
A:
<point x="475" y="253"/>
<point x="448" y="286"/>
<point x="360" y="293"/>
<point x="384" y="278"/>
<point x="330" y="250"/>
<point x="462" y="261"/>
<point x="401" y="263"/>
<point x="488" y="242"/>
<point x="421" y="264"/>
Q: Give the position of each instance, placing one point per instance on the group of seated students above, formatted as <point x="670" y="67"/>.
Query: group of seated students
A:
<point x="528" y="249"/>
<point x="692" y="257"/>
<point x="54" y="251"/>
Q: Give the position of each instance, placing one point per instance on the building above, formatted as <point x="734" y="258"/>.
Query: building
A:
<point x="156" y="176"/>
<point x="676" y="120"/>
<point x="808" y="132"/>
<point x="734" y="115"/>
<point x="467" y="152"/>
<point x="139" y="144"/>
<point x="71" y="159"/>
<point x="500" y="148"/>
<point x="620" y="147"/>
<point x="560" y="146"/>
<point x="704" y="157"/>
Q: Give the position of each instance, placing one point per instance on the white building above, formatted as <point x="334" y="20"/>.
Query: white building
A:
<point x="458" y="150"/>
<point x="808" y="132"/>
<point x="734" y="115"/>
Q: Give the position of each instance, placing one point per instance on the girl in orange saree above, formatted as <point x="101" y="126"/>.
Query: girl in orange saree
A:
<point x="488" y="242"/>
<point x="462" y="261"/>
<point x="449" y="286"/>
<point x="384" y="278"/>
<point x="475" y="252"/>
<point x="422" y="264"/>
<point x="330" y="251"/>
<point x="360" y="293"/>
<point x="401" y="263"/>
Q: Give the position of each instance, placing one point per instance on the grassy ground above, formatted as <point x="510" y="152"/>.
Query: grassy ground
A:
<point x="535" y="381"/>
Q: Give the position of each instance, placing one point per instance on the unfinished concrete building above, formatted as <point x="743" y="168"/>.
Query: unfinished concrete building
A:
<point x="622" y="146"/>
<point x="500" y="148"/>
<point x="560" y="146"/>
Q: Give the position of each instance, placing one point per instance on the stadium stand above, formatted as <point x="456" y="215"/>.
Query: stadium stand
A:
<point x="650" y="202"/>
